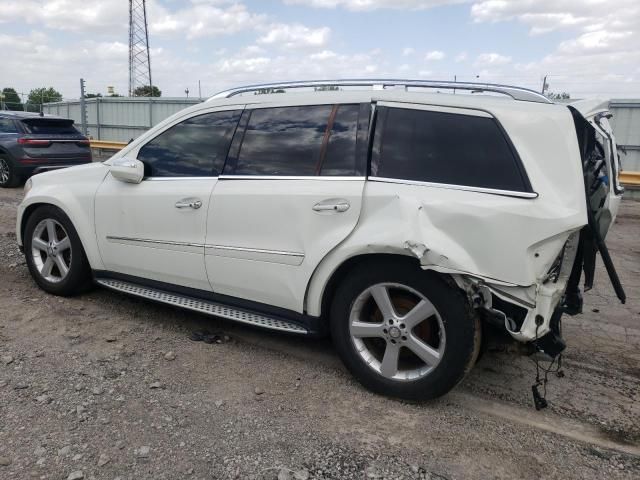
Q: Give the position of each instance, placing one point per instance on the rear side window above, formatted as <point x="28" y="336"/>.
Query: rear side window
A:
<point x="298" y="141"/>
<point x="447" y="148"/>
<point x="7" y="126"/>
<point x="196" y="147"/>
<point x="43" y="126"/>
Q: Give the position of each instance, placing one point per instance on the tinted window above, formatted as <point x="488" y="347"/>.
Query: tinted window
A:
<point x="50" y="127"/>
<point x="340" y="154"/>
<point x="7" y="126"/>
<point x="283" y="141"/>
<point x="444" y="148"/>
<point x="196" y="147"/>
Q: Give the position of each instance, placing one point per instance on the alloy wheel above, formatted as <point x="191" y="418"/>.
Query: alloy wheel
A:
<point x="4" y="171"/>
<point x="397" y="331"/>
<point x="51" y="250"/>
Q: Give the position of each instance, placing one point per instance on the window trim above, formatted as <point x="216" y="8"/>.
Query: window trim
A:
<point x="476" y="112"/>
<point x="491" y="191"/>
<point x="292" y="177"/>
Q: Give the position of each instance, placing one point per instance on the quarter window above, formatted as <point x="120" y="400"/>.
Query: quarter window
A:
<point x="299" y="141"/>
<point x="196" y="147"/>
<point x="7" y="126"/>
<point x="447" y="148"/>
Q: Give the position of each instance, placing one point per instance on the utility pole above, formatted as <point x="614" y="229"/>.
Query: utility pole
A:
<point x="139" y="58"/>
<point x="199" y="91"/>
<point x="83" y="109"/>
<point x="545" y="85"/>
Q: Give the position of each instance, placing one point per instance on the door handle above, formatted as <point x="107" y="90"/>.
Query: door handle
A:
<point x="194" y="203"/>
<point x="332" y="205"/>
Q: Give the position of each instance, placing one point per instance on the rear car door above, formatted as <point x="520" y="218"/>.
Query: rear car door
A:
<point x="291" y="191"/>
<point x="156" y="229"/>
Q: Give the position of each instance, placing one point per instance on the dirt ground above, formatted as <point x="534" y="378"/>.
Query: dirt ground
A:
<point x="109" y="387"/>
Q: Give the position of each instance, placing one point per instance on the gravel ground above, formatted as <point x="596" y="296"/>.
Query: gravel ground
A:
<point x="104" y="386"/>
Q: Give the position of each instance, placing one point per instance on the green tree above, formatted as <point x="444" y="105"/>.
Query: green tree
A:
<point x="11" y="99"/>
<point x="558" y="96"/>
<point x="38" y="96"/>
<point x="146" y="91"/>
<point x="92" y="95"/>
<point x="267" y="91"/>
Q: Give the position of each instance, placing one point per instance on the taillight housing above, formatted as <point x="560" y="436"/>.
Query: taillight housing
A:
<point x="32" y="142"/>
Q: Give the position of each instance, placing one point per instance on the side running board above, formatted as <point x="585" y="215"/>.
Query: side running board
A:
<point x="203" y="306"/>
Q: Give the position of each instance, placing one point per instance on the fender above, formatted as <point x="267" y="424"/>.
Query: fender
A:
<point x="75" y="196"/>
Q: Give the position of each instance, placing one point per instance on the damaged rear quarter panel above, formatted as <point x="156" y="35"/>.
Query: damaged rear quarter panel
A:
<point x="502" y="239"/>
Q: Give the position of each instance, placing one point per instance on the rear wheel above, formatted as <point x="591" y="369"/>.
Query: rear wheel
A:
<point x="8" y="175"/>
<point x="54" y="253"/>
<point x="404" y="332"/>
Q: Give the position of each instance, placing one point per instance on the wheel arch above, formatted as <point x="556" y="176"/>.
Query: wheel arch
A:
<point x="80" y="225"/>
<point x="325" y="281"/>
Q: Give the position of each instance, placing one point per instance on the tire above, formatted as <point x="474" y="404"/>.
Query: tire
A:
<point x="8" y="175"/>
<point x="60" y="268"/>
<point x="448" y="337"/>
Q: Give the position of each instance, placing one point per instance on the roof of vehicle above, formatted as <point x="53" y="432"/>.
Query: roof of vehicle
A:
<point x="17" y="115"/>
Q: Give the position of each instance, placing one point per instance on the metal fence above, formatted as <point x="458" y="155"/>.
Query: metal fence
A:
<point x="120" y="119"/>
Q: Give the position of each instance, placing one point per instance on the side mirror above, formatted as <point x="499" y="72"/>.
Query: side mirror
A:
<point x="128" y="170"/>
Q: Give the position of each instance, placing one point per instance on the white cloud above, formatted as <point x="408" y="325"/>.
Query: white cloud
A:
<point x="434" y="55"/>
<point x="408" y="51"/>
<point x="69" y="15"/>
<point x="295" y="36"/>
<point x="461" y="57"/>
<point x="604" y="38"/>
<point x="204" y="20"/>
<point x="491" y="59"/>
<point x="375" y="4"/>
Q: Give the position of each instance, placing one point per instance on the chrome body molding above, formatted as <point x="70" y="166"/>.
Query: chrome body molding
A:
<point x="317" y="178"/>
<point x="168" y="179"/>
<point x="516" y="93"/>
<point x="203" y="306"/>
<point x="256" y="254"/>
<point x="164" y="244"/>
<point x="259" y="254"/>
<point x="492" y="191"/>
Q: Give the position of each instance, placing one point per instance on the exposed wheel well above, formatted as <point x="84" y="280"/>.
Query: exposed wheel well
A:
<point x="343" y="270"/>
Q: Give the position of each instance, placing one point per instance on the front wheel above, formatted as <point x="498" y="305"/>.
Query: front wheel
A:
<point x="54" y="253"/>
<point x="404" y="332"/>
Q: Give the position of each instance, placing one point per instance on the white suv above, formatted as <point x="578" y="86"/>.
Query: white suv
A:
<point x="401" y="220"/>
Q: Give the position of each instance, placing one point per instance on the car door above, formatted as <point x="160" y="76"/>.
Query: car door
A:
<point x="291" y="191"/>
<point x="156" y="229"/>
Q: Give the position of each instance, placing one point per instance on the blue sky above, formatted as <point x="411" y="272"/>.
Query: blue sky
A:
<point x="587" y="47"/>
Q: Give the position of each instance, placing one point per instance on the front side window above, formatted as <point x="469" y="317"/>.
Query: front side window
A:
<point x="299" y="141"/>
<point x="196" y="147"/>
<point x="446" y="148"/>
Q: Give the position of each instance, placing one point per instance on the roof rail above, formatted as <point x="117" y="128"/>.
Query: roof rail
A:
<point x="517" y="93"/>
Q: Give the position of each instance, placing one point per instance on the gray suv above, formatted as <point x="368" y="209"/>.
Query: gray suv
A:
<point x="32" y="143"/>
